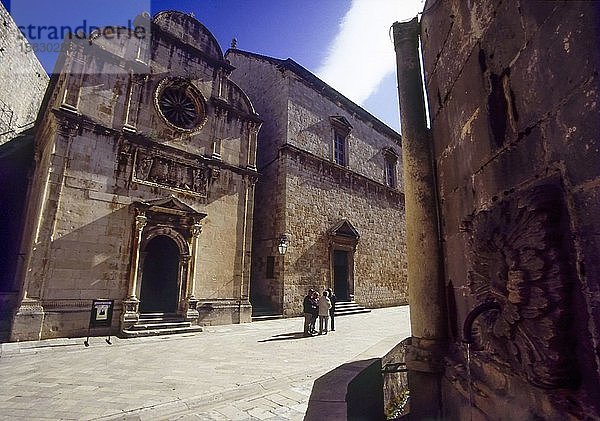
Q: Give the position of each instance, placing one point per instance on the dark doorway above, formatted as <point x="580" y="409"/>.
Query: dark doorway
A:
<point x="340" y="274"/>
<point x="159" y="277"/>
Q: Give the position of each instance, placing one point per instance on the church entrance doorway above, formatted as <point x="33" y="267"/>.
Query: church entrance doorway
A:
<point x="343" y="239"/>
<point x="340" y="274"/>
<point x="159" y="289"/>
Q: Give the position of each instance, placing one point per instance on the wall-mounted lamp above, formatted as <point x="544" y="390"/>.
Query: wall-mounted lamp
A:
<point x="283" y="244"/>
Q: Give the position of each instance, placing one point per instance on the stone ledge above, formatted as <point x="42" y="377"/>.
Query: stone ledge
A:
<point x="351" y="391"/>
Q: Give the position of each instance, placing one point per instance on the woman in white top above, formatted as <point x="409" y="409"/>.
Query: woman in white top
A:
<point x="324" y="306"/>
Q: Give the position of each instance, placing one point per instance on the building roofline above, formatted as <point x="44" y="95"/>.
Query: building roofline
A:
<point x="308" y="77"/>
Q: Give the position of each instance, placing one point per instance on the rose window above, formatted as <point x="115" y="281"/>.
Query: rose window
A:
<point x="180" y="104"/>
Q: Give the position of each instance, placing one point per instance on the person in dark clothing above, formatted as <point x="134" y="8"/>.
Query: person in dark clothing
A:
<point x="333" y="300"/>
<point x="307" y="310"/>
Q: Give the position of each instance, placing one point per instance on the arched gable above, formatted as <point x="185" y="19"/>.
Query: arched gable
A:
<point x="189" y="30"/>
<point x="237" y="98"/>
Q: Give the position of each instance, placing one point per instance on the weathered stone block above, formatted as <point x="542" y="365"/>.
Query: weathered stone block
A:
<point x="516" y="165"/>
<point x="562" y="38"/>
<point x="572" y="139"/>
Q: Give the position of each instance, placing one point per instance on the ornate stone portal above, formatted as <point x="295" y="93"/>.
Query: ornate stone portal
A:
<point x="520" y="259"/>
<point x="174" y="219"/>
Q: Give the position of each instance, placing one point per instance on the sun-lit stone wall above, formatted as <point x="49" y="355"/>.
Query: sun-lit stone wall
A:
<point x="303" y="193"/>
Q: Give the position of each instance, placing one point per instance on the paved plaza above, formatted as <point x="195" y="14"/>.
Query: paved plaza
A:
<point x="261" y="370"/>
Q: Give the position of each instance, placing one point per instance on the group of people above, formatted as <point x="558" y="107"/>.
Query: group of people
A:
<point x="321" y="307"/>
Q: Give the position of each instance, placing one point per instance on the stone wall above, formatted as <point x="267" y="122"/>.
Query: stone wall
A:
<point x="302" y="193"/>
<point x="318" y="196"/>
<point x="310" y="129"/>
<point x="513" y="100"/>
<point x="268" y="227"/>
<point x="269" y="98"/>
<point x="24" y="80"/>
<point x="270" y="95"/>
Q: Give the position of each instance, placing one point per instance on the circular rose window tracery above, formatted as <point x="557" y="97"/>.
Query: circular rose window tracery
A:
<point x="180" y="104"/>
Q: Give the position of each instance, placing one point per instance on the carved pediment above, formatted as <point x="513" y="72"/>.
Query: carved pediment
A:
<point x="340" y="123"/>
<point x="171" y="205"/>
<point x="344" y="229"/>
<point x="390" y="153"/>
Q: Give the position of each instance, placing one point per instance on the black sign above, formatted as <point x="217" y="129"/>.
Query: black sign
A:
<point x="102" y="311"/>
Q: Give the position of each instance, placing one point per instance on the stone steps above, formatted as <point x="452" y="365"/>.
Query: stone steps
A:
<point x="264" y="313"/>
<point x="157" y="324"/>
<point x="267" y="317"/>
<point x="344" y="308"/>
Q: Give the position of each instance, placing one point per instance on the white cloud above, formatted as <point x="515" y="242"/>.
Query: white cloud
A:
<point x="362" y="54"/>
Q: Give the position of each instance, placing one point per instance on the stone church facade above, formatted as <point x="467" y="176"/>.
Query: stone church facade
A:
<point x="143" y="186"/>
<point x="143" y="169"/>
<point x="330" y="187"/>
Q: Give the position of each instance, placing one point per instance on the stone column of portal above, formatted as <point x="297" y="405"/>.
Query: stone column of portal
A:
<point x="191" y="311"/>
<point x="425" y="280"/>
<point x="131" y="305"/>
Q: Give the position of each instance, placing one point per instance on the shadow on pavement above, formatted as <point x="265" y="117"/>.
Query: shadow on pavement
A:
<point x="284" y="337"/>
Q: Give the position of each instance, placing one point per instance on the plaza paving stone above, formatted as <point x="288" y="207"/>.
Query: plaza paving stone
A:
<point x="256" y="371"/>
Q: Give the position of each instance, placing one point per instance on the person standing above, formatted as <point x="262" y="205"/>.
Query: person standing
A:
<point x="307" y="310"/>
<point x="324" y="307"/>
<point x="314" y="308"/>
<point x="333" y="300"/>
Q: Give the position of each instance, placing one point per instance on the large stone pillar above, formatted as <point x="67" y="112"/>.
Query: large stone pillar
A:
<point x="425" y="279"/>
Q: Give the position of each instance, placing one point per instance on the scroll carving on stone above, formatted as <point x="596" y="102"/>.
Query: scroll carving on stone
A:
<point x="168" y="173"/>
<point x="521" y="254"/>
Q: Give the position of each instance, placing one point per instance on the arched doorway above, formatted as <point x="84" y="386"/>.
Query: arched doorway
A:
<point x="159" y="289"/>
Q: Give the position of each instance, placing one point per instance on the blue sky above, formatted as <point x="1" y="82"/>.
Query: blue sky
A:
<point x="345" y="42"/>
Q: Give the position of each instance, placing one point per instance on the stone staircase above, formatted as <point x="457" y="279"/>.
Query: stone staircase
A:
<point x="155" y="324"/>
<point x="344" y="308"/>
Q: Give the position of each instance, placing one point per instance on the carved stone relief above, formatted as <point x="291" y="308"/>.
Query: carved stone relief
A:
<point x="521" y="256"/>
<point x="153" y="169"/>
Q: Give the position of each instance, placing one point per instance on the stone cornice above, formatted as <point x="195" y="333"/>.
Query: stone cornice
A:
<point x="71" y="305"/>
<point x="291" y="149"/>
